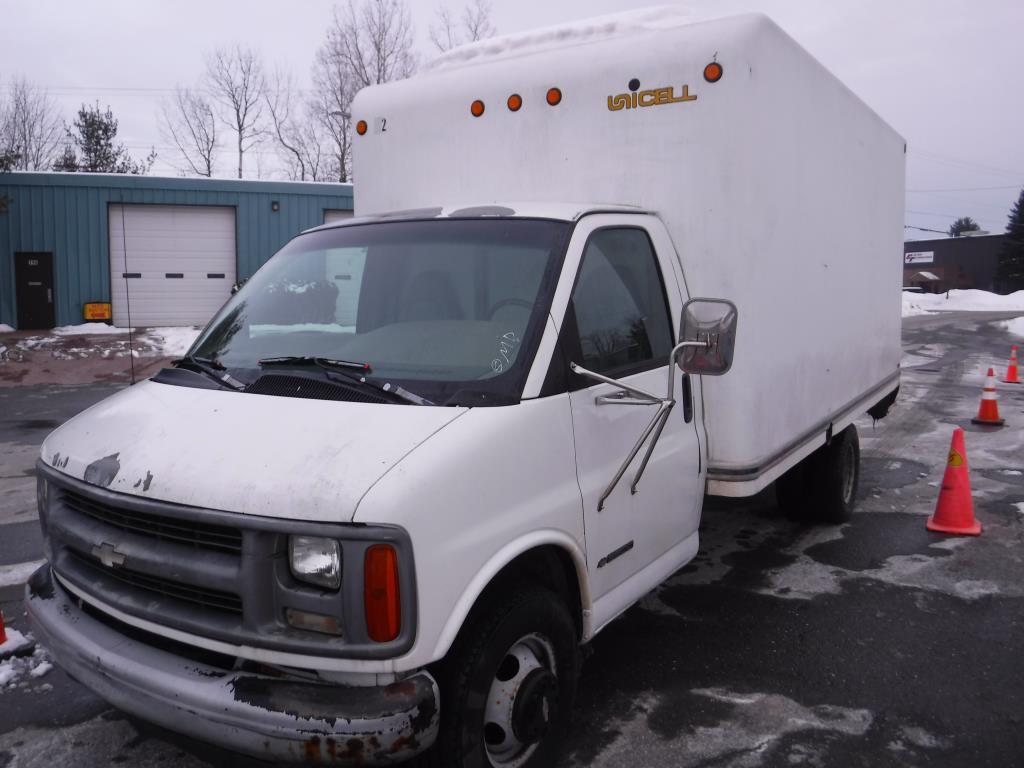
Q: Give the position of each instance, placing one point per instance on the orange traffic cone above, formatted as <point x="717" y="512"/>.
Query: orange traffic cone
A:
<point x="954" y="511"/>
<point x="988" y="409"/>
<point x="3" y="634"/>
<point x="1011" y="368"/>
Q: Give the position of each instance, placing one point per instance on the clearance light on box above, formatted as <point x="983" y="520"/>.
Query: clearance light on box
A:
<point x="96" y="310"/>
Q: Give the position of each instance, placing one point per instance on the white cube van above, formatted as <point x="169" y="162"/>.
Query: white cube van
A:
<point x="424" y="455"/>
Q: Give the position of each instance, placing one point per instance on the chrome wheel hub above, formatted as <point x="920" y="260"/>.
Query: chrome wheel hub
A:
<point x="522" y="702"/>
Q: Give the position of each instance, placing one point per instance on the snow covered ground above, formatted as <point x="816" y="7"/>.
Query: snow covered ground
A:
<point x="970" y="300"/>
<point x="1015" y="326"/>
<point x="60" y="342"/>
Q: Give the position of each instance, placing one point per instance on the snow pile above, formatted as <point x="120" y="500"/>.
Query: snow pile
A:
<point x="173" y="342"/>
<point x="912" y="307"/>
<point x="15" y="642"/>
<point x="63" y="343"/>
<point x="87" y="328"/>
<point x="970" y="300"/>
<point x="5" y="328"/>
<point x="1015" y="326"/>
<point x="23" y="672"/>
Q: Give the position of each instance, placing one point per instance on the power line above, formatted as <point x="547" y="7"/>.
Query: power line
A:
<point x="925" y="229"/>
<point x="957" y="162"/>
<point x="968" y="189"/>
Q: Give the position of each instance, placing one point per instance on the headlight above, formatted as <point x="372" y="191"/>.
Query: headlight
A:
<point x="315" y="560"/>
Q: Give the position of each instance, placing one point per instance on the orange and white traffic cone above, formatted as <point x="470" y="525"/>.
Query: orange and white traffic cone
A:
<point x="1011" y="368"/>
<point x="954" y="511"/>
<point x="988" y="409"/>
<point x="3" y="634"/>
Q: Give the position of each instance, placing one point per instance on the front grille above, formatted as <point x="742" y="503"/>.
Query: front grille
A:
<point x="311" y="389"/>
<point x="201" y="535"/>
<point x="209" y="598"/>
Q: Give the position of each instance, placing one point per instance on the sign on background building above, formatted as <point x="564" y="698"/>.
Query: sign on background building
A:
<point x="919" y="257"/>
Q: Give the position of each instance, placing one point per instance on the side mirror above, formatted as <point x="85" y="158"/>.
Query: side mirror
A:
<point x="707" y="336"/>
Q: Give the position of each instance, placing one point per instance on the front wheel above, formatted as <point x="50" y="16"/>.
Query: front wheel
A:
<point x="508" y="685"/>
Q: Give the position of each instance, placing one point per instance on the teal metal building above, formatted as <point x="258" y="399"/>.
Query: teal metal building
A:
<point x="167" y="249"/>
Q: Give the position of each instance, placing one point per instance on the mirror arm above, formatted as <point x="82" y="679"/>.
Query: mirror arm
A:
<point x="673" y="355"/>
<point x="661" y="418"/>
<point x="605" y="380"/>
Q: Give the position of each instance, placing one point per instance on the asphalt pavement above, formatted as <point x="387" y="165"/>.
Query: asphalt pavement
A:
<point x="874" y="643"/>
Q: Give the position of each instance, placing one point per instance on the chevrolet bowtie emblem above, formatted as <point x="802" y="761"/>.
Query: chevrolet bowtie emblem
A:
<point x="108" y="555"/>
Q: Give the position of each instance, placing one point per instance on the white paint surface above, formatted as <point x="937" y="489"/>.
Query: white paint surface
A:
<point x="195" y="241"/>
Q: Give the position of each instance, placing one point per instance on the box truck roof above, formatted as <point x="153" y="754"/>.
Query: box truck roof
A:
<point x="608" y="111"/>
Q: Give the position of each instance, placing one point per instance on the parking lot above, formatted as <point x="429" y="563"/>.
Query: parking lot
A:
<point x="874" y="643"/>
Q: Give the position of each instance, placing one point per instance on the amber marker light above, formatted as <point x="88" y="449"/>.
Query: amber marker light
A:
<point x="515" y="101"/>
<point x="361" y="127"/>
<point x="381" y="594"/>
<point x="476" y="108"/>
<point x="554" y="96"/>
<point x="713" y="72"/>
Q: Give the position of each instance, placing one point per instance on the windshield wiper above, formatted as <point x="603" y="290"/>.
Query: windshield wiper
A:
<point x="341" y="367"/>
<point x="213" y="369"/>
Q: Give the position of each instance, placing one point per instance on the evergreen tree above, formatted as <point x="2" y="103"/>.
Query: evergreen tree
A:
<point x="8" y="159"/>
<point x="963" y="224"/>
<point x="1010" y="273"/>
<point x="91" y="147"/>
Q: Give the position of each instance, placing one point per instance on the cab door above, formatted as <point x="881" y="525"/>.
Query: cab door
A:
<point x="620" y="323"/>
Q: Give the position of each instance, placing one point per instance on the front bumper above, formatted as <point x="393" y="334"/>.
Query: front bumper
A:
<point x="261" y="716"/>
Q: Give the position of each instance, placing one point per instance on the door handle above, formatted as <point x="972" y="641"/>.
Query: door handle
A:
<point x="49" y="295"/>
<point x="687" y="399"/>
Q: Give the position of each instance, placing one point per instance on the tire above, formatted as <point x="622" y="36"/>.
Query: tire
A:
<point x="511" y="673"/>
<point x="823" y="487"/>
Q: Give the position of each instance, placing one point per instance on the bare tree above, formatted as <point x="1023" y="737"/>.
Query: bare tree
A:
<point x="296" y="129"/>
<point x="236" y="82"/>
<point x="368" y="42"/>
<point x="31" y="130"/>
<point x="373" y="41"/>
<point x="331" y="105"/>
<point x="474" y="24"/>
<point x="188" y="122"/>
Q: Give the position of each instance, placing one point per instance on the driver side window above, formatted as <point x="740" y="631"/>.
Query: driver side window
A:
<point x="621" y="311"/>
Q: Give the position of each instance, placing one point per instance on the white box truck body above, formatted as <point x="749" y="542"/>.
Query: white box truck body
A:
<point x="781" y="190"/>
<point x="423" y="455"/>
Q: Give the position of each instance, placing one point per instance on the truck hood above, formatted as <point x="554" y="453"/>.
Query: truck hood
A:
<point x="254" y="454"/>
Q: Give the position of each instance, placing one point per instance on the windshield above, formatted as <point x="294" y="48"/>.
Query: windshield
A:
<point x="440" y="307"/>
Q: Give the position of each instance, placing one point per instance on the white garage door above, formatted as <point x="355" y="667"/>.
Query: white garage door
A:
<point x="332" y="216"/>
<point x="180" y="263"/>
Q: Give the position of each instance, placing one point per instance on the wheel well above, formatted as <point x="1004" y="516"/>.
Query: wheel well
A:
<point x="548" y="566"/>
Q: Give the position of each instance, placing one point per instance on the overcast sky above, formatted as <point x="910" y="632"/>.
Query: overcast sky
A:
<point x="947" y="74"/>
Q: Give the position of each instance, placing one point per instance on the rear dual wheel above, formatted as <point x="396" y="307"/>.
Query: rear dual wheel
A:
<point x="823" y="487"/>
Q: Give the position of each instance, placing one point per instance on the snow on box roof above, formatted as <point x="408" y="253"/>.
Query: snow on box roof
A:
<point x="563" y="35"/>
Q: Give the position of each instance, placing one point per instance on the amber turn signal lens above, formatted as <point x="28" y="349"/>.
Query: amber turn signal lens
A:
<point x="554" y="96"/>
<point x="713" y="72"/>
<point x="380" y="593"/>
<point x="476" y="108"/>
<point x="361" y="127"/>
<point x="515" y="101"/>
